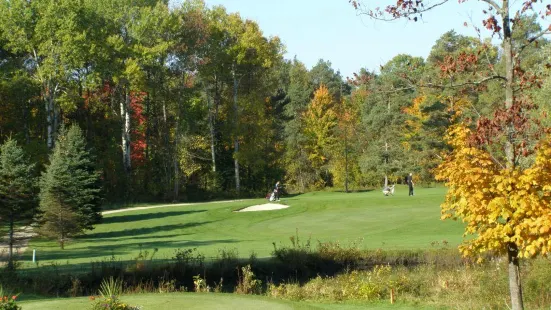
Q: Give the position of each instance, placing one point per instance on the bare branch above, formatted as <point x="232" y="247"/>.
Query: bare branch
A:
<point x="532" y="40"/>
<point x="413" y="86"/>
<point x="475" y="83"/>
<point x="474" y="109"/>
<point x="396" y="90"/>
<point x="493" y="4"/>
<point x="484" y="47"/>
<point x="494" y="159"/>
<point x="407" y="13"/>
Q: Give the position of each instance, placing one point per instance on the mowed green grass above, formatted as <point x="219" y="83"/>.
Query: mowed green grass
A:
<point x="397" y="222"/>
<point x="203" y="302"/>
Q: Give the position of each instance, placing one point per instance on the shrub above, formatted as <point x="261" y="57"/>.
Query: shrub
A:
<point x="110" y="291"/>
<point x="247" y="283"/>
<point x="8" y="303"/>
<point x="345" y="255"/>
<point x="111" y="287"/>
<point x="200" y="285"/>
<point x="111" y="303"/>
<point x="355" y="285"/>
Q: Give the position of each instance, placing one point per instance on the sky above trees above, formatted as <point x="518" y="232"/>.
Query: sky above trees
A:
<point x="330" y="29"/>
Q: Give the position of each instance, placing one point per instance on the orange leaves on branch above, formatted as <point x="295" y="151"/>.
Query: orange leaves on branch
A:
<point x="359" y="79"/>
<point x="515" y="122"/>
<point x="492" y="24"/>
<point x="527" y="5"/>
<point x="527" y="80"/>
<point x="464" y="62"/>
<point x="499" y="206"/>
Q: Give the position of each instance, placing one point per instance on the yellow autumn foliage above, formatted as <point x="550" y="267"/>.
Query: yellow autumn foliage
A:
<point x="499" y="206"/>
<point x="320" y="120"/>
<point x="419" y="117"/>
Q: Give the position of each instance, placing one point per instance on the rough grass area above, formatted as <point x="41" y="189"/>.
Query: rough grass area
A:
<point x="396" y="222"/>
<point x="203" y="302"/>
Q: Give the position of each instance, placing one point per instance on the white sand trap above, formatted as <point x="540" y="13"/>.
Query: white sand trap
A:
<point x="264" y="207"/>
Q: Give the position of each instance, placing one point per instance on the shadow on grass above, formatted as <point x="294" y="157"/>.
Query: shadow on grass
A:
<point x="355" y="191"/>
<point x="121" y="252"/>
<point x="140" y="231"/>
<point x="146" y="216"/>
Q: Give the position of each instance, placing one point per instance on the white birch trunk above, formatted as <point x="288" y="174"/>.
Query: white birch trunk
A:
<point x="126" y="129"/>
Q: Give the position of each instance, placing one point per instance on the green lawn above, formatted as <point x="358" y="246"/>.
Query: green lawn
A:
<point x="202" y="302"/>
<point x="398" y="222"/>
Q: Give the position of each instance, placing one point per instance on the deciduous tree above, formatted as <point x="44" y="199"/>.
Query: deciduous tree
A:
<point x="502" y="142"/>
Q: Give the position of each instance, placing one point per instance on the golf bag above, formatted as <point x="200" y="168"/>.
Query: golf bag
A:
<point x="271" y="196"/>
<point x="389" y="190"/>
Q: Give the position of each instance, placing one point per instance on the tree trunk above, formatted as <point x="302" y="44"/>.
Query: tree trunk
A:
<point x="509" y="74"/>
<point x="175" y="161"/>
<point x="386" y="143"/>
<point x="26" y="122"/>
<point x="386" y="163"/>
<point x="515" y="288"/>
<point x="147" y="125"/>
<point x="212" y="133"/>
<point x="126" y="129"/>
<point x="236" y="133"/>
<point x="10" y="241"/>
<point x="57" y="115"/>
<point x="176" y="191"/>
<point x="346" y="162"/>
<point x="52" y="112"/>
<point x="176" y="164"/>
<point x="49" y="102"/>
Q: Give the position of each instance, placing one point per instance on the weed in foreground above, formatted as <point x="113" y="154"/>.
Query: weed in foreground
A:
<point x="109" y="299"/>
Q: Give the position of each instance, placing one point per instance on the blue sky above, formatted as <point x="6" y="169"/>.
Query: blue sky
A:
<point x="331" y="30"/>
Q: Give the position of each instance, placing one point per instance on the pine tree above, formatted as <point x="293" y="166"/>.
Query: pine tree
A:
<point x="69" y="189"/>
<point x="17" y="188"/>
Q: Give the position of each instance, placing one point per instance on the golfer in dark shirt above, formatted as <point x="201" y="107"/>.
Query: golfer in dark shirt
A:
<point x="409" y="180"/>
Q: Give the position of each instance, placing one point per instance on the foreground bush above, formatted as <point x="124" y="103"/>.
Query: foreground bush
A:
<point x="110" y="300"/>
<point x="112" y="303"/>
<point x="328" y="272"/>
<point x="470" y="286"/>
<point x="367" y="286"/>
<point x="7" y="300"/>
<point x="8" y="303"/>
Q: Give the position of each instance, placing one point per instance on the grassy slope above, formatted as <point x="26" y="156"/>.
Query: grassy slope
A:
<point x="397" y="222"/>
<point x="202" y="302"/>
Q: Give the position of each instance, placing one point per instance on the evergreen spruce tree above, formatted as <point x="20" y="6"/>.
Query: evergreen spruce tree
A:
<point x="69" y="189"/>
<point x="17" y="190"/>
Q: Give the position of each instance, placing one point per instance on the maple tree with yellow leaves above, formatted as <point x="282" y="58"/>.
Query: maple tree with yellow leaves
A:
<point x="500" y="206"/>
<point x="320" y="121"/>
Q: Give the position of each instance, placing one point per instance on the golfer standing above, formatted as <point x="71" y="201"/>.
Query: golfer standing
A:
<point x="409" y="180"/>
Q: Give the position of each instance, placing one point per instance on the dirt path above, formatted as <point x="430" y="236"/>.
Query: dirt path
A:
<point x="21" y="236"/>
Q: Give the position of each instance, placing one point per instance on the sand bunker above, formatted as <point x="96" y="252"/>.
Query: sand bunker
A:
<point x="264" y="207"/>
